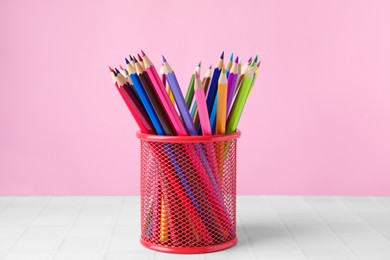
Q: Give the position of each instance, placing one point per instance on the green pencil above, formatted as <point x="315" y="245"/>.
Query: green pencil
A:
<point x="190" y="91"/>
<point x="239" y="103"/>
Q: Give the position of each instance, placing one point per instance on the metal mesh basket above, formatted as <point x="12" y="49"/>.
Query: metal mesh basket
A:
<point x="188" y="192"/>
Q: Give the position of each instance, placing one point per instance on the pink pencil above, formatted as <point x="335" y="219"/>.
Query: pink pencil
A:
<point x="202" y="107"/>
<point x="205" y="123"/>
<point x="163" y="96"/>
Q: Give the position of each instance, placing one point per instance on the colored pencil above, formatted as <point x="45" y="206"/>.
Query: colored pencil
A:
<point x="243" y="71"/>
<point x="239" y="67"/>
<point x="246" y="66"/>
<point x="124" y="72"/>
<point x="239" y="103"/>
<point x="202" y="107"/>
<point x="229" y="65"/>
<point x="213" y="116"/>
<point x="181" y="105"/>
<point x="221" y="105"/>
<point x="255" y="76"/>
<point x="165" y="83"/>
<point x="190" y="90"/>
<point x="214" y="85"/>
<point x="140" y="61"/>
<point x="135" y="107"/>
<point x="205" y="84"/>
<point x="232" y="81"/>
<point x="132" y="61"/>
<point x="164" y="99"/>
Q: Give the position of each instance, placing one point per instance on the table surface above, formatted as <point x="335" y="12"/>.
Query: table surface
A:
<point x="269" y="228"/>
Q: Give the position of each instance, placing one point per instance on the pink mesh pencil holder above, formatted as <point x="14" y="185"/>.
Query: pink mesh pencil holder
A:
<point x="188" y="192"/>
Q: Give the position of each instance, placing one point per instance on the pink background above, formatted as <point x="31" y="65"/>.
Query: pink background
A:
<point x="317" y="122"/>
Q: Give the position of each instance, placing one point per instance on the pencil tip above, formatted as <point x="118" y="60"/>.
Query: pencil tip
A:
<point x="210" y="67"/>
<point x="256" y="58"/>
<point x="250" y="60"/>
<point x="254" y="61"/>
<point x="163" y="58"/>
<point x="127" y="61"/>
<point x="111" y="70"/>
<point x="131" y="58"/>
<point x="199" y="63"/>
<point x="222" y="55"/>
<point x="223" y="69"/>
<point x="236" y="60"/>
<point x="139" y="57"/>
<point x="117" y="71"/>
<point x="231" y="57"/>
<point x="135" y="59"/>
<point x="143" y="53"/>
<point x="196" y="75"/>
<point x="120" y="66"/>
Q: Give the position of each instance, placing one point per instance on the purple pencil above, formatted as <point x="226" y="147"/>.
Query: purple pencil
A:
<point x="232" y="81"/>
<point x="178" y="95"/>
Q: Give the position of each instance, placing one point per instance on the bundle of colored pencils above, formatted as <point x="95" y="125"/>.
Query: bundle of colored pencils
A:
<point x="219" y="101"/>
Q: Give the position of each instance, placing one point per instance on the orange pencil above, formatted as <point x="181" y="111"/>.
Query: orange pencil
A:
<point x="222" y="101"/>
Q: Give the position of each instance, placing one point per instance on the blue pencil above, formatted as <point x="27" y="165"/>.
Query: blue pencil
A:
<point x="214" y="85"/>
<point x="229" y="65"/>
<point x="213" y="116"/>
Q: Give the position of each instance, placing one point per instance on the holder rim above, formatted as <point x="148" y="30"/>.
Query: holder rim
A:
<point x="189" y="250"/>
<point x="188" y="139"/>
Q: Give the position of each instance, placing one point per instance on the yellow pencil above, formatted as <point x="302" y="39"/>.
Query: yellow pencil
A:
<point x="164" y="222"/>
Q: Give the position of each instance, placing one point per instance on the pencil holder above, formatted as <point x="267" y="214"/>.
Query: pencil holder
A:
<point x="188" y="192"/>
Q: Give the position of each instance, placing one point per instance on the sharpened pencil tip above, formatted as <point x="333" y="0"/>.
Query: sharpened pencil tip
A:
<point x="222" y="55"/>
<point x="210" y="67"/>
<point x="196" y="75"/>
<point x="111" y="70"/>
<point x="250" y="60"/>
<point x="254" y="61"/>
<point x="199" y="63"/>
<point x="231" y="57"/>
<point x="236" y="60"/>
<point x="117" y="71"/>
<point x="135" y="59"/>
<point x="256" y="58"/>
<point x="127" y="61"/>
<point x="120" y="66"/>
<point x="163" y="58"/>
<point x="140" y="58"/>
<point x="143" y="53"/>
<point x="223" y="69"/>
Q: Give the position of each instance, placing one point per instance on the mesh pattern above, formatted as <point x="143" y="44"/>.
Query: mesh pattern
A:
<point x="188" y="193"/>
